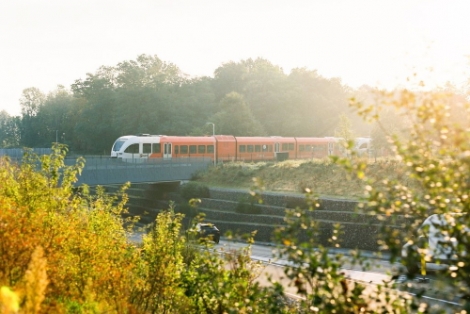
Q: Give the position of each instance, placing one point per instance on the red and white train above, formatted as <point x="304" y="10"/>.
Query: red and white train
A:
<point x="223" y="148"/>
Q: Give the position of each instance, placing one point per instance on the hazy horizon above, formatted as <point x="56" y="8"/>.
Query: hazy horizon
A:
<point x="45" y="44"/>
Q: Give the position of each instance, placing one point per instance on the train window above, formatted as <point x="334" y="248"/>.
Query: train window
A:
<point x="157" y="148"/>
<point x="117" y="146"/>
<point x="184" y="149"/>
<point x="249" y="148"/>
<point x="192" y="149"/>
<point x="284" y="146"/>
<point x="177" y="149"/>
<point x="291" y="146"/>
<point x="242" y="148"/>
<point x="132" y="149"/>
<point x="301" y="148"/>
<point x="257" y="148"/>
<point x="146" y="148"/>
<point x="201" y="149"/>
<point x="270" y="147"/>
<point x="210" y="148"/>
<point x="308" y="148"/>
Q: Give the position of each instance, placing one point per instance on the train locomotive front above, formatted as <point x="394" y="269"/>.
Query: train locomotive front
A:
<point x="135" y="147"/>
<point x="146" y="147"/>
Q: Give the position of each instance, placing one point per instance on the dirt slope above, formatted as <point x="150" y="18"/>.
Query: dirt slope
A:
<point x="321" y="176"/>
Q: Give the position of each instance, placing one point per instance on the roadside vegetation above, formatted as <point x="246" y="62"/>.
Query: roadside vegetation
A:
<point x="325" y="177"/>
<point x="68" y="252"/>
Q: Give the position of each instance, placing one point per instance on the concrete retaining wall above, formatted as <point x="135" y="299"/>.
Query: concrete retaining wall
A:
<point x="359" y="230"/>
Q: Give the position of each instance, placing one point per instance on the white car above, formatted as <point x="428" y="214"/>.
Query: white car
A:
<point x="436" y="243"/>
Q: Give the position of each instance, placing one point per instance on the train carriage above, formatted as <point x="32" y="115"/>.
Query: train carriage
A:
<point x="284" y="147"/>
<point x="138" y="148"/>
<point x="186" y="147"/>
<point x="311" y="147"/>
<point x="226" y="148"/>
<point x="254" y="148"/>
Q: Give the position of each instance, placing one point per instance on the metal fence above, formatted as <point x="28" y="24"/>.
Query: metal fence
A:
<point x="105" y="170"/>
<point x="17" y="153"/>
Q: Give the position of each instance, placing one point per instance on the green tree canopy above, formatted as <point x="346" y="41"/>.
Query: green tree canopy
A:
<point x="235" y="118"/>
<point x="9" y="130"/>
<point x="149" y="95"/>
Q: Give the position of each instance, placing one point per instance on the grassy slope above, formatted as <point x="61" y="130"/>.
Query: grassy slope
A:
<point x="321" y="176"/>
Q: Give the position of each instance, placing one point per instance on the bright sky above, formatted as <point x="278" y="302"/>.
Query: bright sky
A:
<point x="44" y="43"/>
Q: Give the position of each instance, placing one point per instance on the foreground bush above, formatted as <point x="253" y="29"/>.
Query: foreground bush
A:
<point x="194" y="189"/>
<point x="433" y="148"/>
<point x="69" y="253"/>
<point x="62" y="252"/>
<point x="79" y="241"/>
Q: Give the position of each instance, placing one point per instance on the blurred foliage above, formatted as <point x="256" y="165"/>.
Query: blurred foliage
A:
<point x="79" y="240"/>
<point x="193" y="189"/>
<point x="432" y="146"/>
<point x="318" y="274"/>
<point x="66" y="252"/>
<point x="426" y="173"/>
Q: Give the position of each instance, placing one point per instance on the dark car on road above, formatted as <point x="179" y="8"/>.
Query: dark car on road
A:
<point x="209" y="231"/>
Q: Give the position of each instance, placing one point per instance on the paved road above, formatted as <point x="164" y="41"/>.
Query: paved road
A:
<point x="379" y="272"/>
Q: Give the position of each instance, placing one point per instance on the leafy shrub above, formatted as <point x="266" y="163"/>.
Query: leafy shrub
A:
<point x="247" y="205"/>
<point x="197" y="175"/>
<point x="187" y="209"/>
<point x="81" y="238"/>
<point x="194" y="190"/>
<point x="92" y="267"/>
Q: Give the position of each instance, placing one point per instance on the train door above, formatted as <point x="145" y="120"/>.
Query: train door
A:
<point x="331" y="148"/>
<point x="167" y="151"/>
<point x="146" y="150"/>
<point x="277" y="148"/>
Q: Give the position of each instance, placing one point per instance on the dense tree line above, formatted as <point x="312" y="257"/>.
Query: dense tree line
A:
<point x="148" y="95"/>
